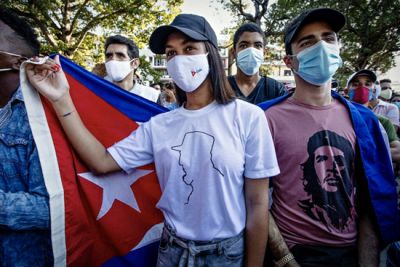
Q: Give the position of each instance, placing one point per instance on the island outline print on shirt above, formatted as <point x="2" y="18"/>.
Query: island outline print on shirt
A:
<point x="195" y="146"/>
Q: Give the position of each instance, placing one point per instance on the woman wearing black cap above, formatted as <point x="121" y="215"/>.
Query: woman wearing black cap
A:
<point x="212" y="155"/>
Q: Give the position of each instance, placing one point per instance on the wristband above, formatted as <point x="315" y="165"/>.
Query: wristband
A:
<point x="284" y="260"/>
<point x="66" y="114"/>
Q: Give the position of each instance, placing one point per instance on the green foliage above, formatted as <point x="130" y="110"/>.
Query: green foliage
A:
<point x="370" y="39"/>
<point x="146" y="71"/>
<point x="78" y="28"/>
<point x="241" y="10"/>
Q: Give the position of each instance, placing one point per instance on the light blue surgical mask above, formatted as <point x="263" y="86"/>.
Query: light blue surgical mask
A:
<point x="318" y="63"/>
<point x="249" y="60"/>
<point x="397" y="104"/>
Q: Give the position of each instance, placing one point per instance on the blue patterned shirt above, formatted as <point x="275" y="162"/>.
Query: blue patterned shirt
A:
<point x="24" y="203"/>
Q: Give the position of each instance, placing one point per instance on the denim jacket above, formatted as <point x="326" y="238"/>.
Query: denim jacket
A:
<point x="24" y="203"/>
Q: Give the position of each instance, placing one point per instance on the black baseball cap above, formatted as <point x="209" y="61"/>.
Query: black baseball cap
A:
<point x="332" y="17"/>
<point x="194" y="26"/>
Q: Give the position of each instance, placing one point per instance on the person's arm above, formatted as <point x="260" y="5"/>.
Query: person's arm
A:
<point x="368" y="242"/>
<point x="50" y="81"/>
<point x="277" y="245"/>
<point x="256" y="194"/>
<point x="27" y="210"/>
<point x="395" y="151"/>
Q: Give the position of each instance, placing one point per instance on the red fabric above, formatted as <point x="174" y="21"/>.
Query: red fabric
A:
<point x="90" y="242"/>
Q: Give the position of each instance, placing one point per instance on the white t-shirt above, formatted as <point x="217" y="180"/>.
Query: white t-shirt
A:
<point x="145" y="91"/>
<point x="388" y="110"/>
<point x="200" y="158"/>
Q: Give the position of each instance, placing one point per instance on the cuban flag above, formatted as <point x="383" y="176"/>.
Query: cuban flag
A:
<point x="109" y="220"/>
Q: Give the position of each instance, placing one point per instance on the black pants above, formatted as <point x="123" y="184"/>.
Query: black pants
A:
<point x="322" y="256"/>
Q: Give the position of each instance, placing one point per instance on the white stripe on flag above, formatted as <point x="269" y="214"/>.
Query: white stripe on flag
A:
<point x="49" y="164"/>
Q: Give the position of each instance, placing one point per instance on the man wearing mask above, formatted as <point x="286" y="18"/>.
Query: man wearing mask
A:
<point x="248" y="50"/>
<point x="386" y="89"/>
<point x="122" y="60"/>
<point x="383" y="107"/>
<point x="327" y="201"/>
<point x="362" y="89"/>
<point x="24" y="202"/>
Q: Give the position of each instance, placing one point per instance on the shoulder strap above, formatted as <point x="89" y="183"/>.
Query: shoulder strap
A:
<point x="266" y="88"/>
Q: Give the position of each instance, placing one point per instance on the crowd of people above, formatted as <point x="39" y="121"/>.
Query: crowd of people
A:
<point x="328" y="162"/>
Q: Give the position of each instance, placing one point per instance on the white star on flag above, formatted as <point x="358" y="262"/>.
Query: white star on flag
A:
<point x="116" y="186"/>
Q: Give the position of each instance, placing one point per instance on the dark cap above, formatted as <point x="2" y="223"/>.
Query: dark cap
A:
<point x="194" y="26"/>
<point x="368" y="73"/>
<point x="332" y="17"/>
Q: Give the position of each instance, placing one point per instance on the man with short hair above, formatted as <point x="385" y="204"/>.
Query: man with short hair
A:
<point x="386" y="89"/>
<point x="318" y="133"/>
<point x="24" y="202"/>
<point x="362" y="90"/>
<point x="248" y="50"/>
<point x="122" y="60"/>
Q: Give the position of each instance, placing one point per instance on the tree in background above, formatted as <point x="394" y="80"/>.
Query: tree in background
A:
<point x="370" y="39"/>
<point x="247" y="11"/>
<point x="241" y="8"/>
<point x="78" y="28"/>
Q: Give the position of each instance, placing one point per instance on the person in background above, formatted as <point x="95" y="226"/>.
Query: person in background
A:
<point x="383" y="107"/>
<point x="248" y="50"/>
<point x="342" y="92"/>
<point x="100" y="70"/>
<point x="395" y="99"/>
<point x="362" y="89"/>
<point x="122" y="60"/>
<point x="25" y="238"/>
<point x="386" y="90"/>
<point x="335" y="85"/>
<point x="393" y="252"/>
<point x="168" y="96"/>
<point x="156" y="86"/>
<point x="214" y="205"/>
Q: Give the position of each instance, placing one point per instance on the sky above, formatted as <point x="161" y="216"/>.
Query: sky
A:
<point x="211" y="10"/>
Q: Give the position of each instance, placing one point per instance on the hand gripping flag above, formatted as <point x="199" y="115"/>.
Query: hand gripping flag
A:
<point x="108" y="220"/>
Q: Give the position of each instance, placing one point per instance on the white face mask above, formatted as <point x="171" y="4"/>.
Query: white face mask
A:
<point x="188" y="72"/>
<point x="118" y="70"/>
<point x="386" y="94"/>
<point x="10" y="54"/>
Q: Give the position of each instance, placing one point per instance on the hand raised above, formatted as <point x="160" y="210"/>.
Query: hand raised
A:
<point x="48" y="79"/>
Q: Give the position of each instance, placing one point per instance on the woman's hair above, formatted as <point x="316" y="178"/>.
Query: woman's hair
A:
<point x="221" y="89"/>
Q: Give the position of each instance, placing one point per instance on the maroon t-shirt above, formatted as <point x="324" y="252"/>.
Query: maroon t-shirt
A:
<point x="313" y="196"/>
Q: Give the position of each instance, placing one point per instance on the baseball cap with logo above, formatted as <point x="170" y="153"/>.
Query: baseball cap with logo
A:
<point x="332" y="17"/>
<point x="194" y="26"/>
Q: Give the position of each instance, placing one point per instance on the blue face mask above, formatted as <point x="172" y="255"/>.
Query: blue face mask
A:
<point x="318" y="63"/>
<point x="249" y="60"/>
